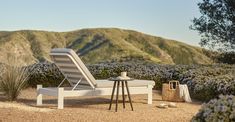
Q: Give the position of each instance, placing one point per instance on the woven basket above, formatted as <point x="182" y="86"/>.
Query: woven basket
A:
<point x="170" y="91"/>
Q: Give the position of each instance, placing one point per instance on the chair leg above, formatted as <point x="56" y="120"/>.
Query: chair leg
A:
<point x="150" y="94"/>
<point x="39" y="96"/>
<point x="60" y="98"/>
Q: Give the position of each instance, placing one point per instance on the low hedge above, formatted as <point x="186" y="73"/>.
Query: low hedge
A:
<point x="204" y="82"/>
<point x="46" y="74"/>
<point x="207" y="82"/>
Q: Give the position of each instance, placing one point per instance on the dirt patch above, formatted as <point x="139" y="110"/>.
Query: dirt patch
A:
<point x="21" y="106"/>
<point x="93" y="109"/>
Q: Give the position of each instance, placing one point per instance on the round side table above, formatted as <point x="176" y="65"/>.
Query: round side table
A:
<point x="116" y="84"/>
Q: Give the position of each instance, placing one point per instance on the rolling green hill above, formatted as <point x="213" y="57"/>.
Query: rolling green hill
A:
<point x="97" y="45"/>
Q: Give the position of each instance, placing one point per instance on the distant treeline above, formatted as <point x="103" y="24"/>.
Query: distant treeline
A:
<point x="221" y="57"/>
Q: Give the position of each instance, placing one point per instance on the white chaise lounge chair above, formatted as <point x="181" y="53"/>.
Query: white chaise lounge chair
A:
<point x="82" y="82"/>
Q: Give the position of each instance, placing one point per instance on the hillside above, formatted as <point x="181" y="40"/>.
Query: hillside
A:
<point x="97" y="45"/>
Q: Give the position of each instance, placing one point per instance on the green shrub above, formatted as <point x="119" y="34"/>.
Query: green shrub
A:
<point x="217" y="110"/>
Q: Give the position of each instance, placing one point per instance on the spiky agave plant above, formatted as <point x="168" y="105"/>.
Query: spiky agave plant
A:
<point x="14" y="77"/>
<point x="12" y="80"/>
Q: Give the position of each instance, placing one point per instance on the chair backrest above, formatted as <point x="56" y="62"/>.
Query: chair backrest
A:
<point x="72" y="67"/>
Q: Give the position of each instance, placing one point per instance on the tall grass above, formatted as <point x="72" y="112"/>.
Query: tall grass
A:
<point x="14" y="78"/>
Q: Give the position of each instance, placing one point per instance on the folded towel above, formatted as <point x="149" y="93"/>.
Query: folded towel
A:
<point x="184" y="93"/>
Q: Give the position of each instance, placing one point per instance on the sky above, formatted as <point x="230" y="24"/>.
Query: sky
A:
<point x="165" y="18"/>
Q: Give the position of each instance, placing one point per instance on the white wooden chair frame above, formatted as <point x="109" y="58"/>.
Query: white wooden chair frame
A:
<point x="62" y="92"/>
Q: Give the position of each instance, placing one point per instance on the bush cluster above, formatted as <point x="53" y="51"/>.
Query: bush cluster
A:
<point x="207" y="82"/>
<point x="46" y="74"/>
<point x="204" y="82"/>
<point x="221" y="109"/>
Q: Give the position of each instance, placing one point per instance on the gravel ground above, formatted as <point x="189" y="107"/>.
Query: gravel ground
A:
<point x="86" y="109"/>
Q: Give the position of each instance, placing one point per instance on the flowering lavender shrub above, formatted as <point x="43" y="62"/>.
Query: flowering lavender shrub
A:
<point x="46" y="74"/>
<point x="158" y="73"/>
<point x="204" y="82"/>
<point x="217" y="110"/>
<point x="207" y="82"/>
